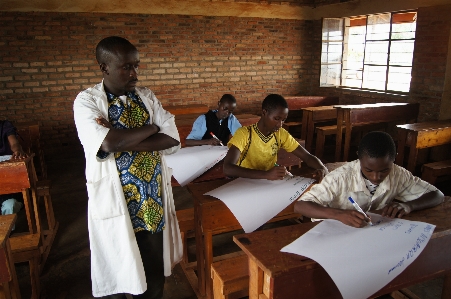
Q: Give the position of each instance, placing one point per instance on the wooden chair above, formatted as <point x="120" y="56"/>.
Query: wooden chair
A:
<point x="27" y="248"/>
<point x="230" y="278"/>
<point x="29" y="137"/>
<point x="431" y="171"/>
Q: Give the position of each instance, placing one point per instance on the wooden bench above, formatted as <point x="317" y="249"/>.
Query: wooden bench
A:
<point x="293" y="123"/>
<point x="9" y="285"/>
<point x="230" y="278"/>
<point x="186" y="225"/>
<point x="431" y="171"/>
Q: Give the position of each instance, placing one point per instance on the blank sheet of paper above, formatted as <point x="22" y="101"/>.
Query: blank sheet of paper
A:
<point x="363" y="260"/>
<point x="190" y="162"/>
<point x="254" y="202"/>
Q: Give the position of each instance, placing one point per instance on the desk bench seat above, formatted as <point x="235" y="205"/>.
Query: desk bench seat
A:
<point x="26" y="248"/>
<point x="230" y="278"/>
<point x="431" y="171"/>
<point x="186" y="225"/>
<point x="293" y="127"/>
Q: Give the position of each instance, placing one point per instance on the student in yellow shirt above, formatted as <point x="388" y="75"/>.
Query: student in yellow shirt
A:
<point x="253" y="149"/>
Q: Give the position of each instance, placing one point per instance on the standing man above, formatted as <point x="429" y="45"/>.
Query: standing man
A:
<point x="133" y="231"/>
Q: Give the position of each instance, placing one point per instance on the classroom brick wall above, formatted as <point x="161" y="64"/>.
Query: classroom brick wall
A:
<point x="428" y="71"/>
<point x="47" y="58"/>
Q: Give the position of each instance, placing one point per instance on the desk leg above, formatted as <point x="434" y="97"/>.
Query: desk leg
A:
<point x="340" y="119"/>
<point x="446" y="291"/>
<point x="199" y="252"/>
<point x="29" y="211"/>
<point x="413" y="154"/>
<point x="310" y="132"/>
<point x="208" y="251"/>
<point x="255" y="280"/>
<point x="402" y="137"/>
<point x="305" y="120"/>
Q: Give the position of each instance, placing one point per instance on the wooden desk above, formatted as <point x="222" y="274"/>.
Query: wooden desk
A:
<point x="310" y="117"/>
<point x="18" y="176"/>
<point x="296" y="103"/>
<point x="274" y="274"/>
<point x="349" y="116"/>
<point x="186" y="109"/>
<point x="421" y="135"/>
<point x="212" y="217"/>
<point x="8" y="279"/>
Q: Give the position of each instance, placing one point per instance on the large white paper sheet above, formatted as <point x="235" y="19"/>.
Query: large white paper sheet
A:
<point x="254" y="202"/>
<point x="190" y="162"/>
<point x="5" y="158"/>
<point x="363" y="260"/>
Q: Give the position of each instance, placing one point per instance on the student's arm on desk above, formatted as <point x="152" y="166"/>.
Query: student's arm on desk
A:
<point x="314" y="210"/>
<point x="138" y="139"/>
<point x="427" y="200"/>
<point x="232" y="170"/>
<point x="16" y="148"/>
<point x="312" y="161"/>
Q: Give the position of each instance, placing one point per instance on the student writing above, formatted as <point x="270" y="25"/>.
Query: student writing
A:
<point x="221" y="122"/>
<point x="253" y="149"/>
<point x="374" y="182"/>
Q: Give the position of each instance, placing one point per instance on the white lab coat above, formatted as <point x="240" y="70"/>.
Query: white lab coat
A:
<point x="116" y="265"/>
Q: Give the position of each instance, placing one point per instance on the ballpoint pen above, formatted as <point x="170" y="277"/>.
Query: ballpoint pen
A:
<point x="289" y="173"/>
<point x="214" y="136"/>
<point x="358" y="208"/>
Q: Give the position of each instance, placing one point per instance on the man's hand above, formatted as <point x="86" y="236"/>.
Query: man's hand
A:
<point x="352" y="218"/>
<point x="396" y="209"/>
<point x="103" y="122"/>
<point x="276" y="173"/>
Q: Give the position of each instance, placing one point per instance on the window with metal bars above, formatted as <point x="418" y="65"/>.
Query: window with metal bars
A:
<point x="372" y="52"/>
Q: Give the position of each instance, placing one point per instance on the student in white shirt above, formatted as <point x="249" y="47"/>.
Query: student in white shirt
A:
<point x="374" y="182"/>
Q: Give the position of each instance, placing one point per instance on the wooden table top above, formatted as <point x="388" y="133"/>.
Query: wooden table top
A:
<point x="374" y="105"/>
<point x="319" y="108"/>
<point x="6" y="224"/>
<point x="426" y="126"/>
<point x="14" y="175"/>
<point x="264" y="246"/>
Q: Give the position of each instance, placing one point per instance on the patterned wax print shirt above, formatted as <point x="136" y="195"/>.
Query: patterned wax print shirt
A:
<point x="139" y="172"/>
<point x="259" y="151"/>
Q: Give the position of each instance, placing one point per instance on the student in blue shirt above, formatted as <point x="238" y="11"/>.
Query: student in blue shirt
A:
<point x="221" y="122"/>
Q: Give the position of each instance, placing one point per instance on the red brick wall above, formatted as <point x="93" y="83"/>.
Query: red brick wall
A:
<point x="428" y="72"/>
<point x="47" y="58"/>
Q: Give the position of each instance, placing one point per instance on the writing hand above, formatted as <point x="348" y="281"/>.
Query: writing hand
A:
<point x="213" y="141"/>
<point x="352" y="218"/>
<point x="395" y="209"/>
<point x="276" y="173"/>
<point x="20" y="154"/>
<point x="319" y="174"/>
<point x="103" y="122"/>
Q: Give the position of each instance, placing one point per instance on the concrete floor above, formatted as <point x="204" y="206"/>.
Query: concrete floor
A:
<point x="67" y="272"/>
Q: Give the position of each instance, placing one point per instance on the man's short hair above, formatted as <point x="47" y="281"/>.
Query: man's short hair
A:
<point x="109" y="46"/>
<point x="274" y="101"/>
<point x="377" y="145"/>
<point x="227" y="97"/>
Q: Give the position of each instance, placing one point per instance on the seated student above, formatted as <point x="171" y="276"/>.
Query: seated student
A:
<point x="9" y="145"/>
<point x="221" y="122"/>
<point x="373" y="182"/>
<point x="253" y="149"/>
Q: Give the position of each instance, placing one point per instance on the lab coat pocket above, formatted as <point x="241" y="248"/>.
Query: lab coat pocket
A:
<point x="104" y="201"/>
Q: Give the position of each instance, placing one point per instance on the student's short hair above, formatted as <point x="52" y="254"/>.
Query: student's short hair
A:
<point x="109" y="46"/>
<point x="227" y="97"/>
<point x="274" y="101"/>
<point x="377" y="145"/>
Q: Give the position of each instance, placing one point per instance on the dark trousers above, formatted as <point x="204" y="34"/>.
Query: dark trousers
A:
<point x="151" y="250"/>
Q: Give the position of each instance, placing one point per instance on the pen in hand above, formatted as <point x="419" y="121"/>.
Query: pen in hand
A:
<point x="214" y="136"/>
<point x="358" y="208"/>
<point x="287" y="172"/>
